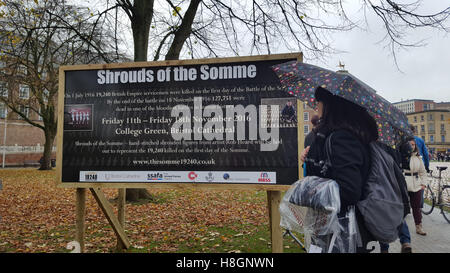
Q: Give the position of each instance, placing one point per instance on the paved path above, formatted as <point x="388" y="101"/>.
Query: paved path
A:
<point x="437" y="239"/>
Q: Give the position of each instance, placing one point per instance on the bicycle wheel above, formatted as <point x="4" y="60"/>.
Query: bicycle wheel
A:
<point x="430" y="200"/>
<point x="445" y="206"/>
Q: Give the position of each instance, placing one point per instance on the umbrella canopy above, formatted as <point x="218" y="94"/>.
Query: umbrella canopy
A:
<point x="301" y="80"/>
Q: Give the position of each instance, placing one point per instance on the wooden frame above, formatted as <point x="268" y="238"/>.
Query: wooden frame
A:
<point x="273" y="191"/>
<point x="59" y="136"/>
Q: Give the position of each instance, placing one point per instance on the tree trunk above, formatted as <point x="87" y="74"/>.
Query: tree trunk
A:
<point x="183" y="31"/>
<point x="142" y="14"/>
<point x="134" y="195"/>
<point x="48" y="146"/>
<point x="140" y="24"/>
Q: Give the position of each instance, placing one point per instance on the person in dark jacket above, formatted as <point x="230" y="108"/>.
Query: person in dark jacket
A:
<point x="351" y="130"/>
<point x="310" y="137"/>
<point x="403" y="231"/>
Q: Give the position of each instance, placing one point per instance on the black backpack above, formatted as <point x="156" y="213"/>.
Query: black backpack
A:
<point x="382" y="203"/>
<point x="401" y="156"/>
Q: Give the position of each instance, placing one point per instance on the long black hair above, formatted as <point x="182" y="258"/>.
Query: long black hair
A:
<point x="339" y="113"/>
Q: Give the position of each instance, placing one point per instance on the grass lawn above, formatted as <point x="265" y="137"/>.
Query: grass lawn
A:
<point x="36" y="216"/>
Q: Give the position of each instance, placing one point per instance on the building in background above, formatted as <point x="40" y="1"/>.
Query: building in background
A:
<point x="21" y="143"/>
<point x="308" y="113"/>
<point x="433" y="126"/>
<point x="414" y="105"/>
<point x="442" y="105"/>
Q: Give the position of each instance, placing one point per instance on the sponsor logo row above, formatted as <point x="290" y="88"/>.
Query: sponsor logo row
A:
<point x="179" y="176"/>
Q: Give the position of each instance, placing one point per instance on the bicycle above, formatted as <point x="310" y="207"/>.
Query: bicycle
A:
<point x="443" y="196"/>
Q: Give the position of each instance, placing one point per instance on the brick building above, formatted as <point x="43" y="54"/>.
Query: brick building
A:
<point x="24" y="143"/>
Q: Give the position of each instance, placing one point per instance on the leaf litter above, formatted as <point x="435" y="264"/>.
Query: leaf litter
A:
<point x="38" y="216"/>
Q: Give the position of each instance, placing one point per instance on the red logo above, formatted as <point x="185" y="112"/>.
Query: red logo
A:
<point x="192" y="175"/>
<point x="264" y="177"/>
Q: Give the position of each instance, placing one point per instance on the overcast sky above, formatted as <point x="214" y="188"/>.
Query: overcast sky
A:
<point x="425" y="71"/>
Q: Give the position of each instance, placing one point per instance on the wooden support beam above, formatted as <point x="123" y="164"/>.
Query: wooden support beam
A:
<point x="274" y="199"/>
<point x="121" y="214"/>
<point x="109" y="213"/>
<point x="300" y="134"/>
<point x="80" y="208"/>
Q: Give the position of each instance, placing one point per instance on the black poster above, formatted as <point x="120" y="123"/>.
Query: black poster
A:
<point x="203" y="123"/>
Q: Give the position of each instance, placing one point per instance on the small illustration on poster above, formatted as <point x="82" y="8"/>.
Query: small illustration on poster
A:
<point x="78" y="117"/>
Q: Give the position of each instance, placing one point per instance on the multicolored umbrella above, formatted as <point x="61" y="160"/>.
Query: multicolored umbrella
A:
<point x="301" y="80"/>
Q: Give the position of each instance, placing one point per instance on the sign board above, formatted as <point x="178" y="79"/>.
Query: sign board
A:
<point x="212" y="121"/>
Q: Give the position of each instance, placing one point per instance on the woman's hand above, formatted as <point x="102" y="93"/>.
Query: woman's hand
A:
<point x="304" y="154"/>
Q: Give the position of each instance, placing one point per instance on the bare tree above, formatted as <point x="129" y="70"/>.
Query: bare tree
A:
<point x="399" y="19"/>
<point x="212" y="28"/>
<point x="140" y="14"/>
<point x="35" y="42"/>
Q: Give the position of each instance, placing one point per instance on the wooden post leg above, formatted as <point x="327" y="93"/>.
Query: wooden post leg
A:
<point x="274" y="199"/>
<point x="121" y="215"/>
<point x="80" y="217"/>
<point x="110" y="216"/>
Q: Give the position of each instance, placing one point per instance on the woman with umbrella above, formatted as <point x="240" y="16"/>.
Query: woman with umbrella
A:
<point x="352" y="129"/>
<point x="352" y="115"/>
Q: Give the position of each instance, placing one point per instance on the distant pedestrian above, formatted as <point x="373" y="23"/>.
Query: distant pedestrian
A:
<point x="422" y="148"/>
<point x="310" y="137"/>
<point x="401" y="157"/>
<point x="405" y="240"/>
<point x="423" y="151"/>
<point x="415" y="180"/>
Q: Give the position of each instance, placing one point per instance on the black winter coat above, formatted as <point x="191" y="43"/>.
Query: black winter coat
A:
<point x="350" y="161"/>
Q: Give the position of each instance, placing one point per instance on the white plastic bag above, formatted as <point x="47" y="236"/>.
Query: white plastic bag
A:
<point x="311" y="207"/>
<point x="312" y="191"/>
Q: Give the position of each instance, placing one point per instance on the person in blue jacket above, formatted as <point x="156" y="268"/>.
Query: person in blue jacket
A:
<point x="422" y="149"/>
